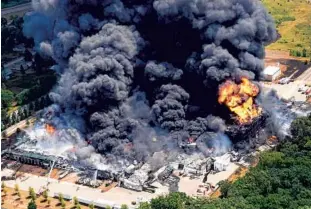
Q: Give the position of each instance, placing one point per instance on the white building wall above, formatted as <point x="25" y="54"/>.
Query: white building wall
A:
<point x="271" y="73"/>
<point x="276" y="75"/>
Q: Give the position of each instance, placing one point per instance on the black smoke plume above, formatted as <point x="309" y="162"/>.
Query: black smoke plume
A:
<point x="144" y="74"/>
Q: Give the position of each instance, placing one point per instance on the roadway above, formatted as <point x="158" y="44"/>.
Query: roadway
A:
<point x="305" y="76"/>
<point x="22" y="8"/>
<point x="8" y="64"/>
<point x="287" y="91"/>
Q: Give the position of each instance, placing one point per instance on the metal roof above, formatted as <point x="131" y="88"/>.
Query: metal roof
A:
<point x="271" y="70"/>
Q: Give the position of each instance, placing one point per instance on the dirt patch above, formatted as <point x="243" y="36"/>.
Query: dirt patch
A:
<point x="105" y="188"/>
<point x="71" y="177"/>
<point x="239" y="173"/>
<point x="54" y="173"/>
<point x="35" y="170"/>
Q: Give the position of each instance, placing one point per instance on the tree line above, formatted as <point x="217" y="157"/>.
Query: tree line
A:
<point x="297" y="53"/>
<point x="32" y="196"/>
<point x="23" y="112"/>
<point x="12" y="34"/>
<point x="282" y="179"/>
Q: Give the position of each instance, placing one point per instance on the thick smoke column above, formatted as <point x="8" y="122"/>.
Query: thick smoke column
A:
<point x="145" y="74"/>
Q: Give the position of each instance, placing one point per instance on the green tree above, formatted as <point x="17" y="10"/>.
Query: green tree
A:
<point x="91" y="206"/>
<point x="2" y="185"/>
<point x="4" y="117"/>
<point x="75" y="201"/>
<point x="45" y="195"/>
<point x="304" y="53"/>
<point x="14" y="118"/>
<point x="32" y="193"/>
<point x="224" y="188"/>
<point x="32" y="205"/>
<point x="7" y="97"/>
<point x="124" y="206"/>
<point x="60" y="197"/>
<point x="23" y="97"/>
<point x="301" y="130"/>
<point x="63" y="203"/>
<point x="144" y="205"/>
<point x="19" y="194"/>
<point x="173" y="200"/>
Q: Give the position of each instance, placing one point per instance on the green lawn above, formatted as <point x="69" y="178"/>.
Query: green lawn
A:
<point x="293" y="20"/>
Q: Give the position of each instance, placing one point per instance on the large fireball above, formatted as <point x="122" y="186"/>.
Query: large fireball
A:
<point x="239" y="98"/>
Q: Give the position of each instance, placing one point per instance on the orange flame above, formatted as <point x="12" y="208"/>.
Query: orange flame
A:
<point x="272" y="140"/>
<point x="49" y="128"/>
<point x="240" y="99"/>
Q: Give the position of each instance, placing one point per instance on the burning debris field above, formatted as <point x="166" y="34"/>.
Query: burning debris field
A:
<point x="149" y="87"/>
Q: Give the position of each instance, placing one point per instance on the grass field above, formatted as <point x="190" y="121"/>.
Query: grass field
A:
<point x="293" y="20"/>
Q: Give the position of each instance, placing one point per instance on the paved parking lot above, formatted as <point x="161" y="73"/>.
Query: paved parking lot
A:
<point x="287" y="91"/>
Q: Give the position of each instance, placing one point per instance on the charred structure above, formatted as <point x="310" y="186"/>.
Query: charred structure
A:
<point x="239" y="132"/>
<point x="29" y="158"/>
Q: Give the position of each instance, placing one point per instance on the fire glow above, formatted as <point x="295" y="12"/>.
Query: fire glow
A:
<point x="239" y="98"/>
<point x="49" y="129"/>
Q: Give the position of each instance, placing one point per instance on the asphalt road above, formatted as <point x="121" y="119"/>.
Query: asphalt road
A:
<point x="287" y="91"/>
<point x="305" y="76"/>
<point x="19" y="8"/>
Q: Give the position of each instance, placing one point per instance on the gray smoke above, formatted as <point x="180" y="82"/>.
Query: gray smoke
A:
<point x="162" y="71"/>
<point x="134" y="101"/>
<point x="101" y="70"/>
<point x="169" y="108"/>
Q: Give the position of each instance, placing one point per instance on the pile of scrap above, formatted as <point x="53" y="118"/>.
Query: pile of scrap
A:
<point x="89" y="182"/>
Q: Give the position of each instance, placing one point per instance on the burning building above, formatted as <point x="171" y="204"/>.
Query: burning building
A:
<point x="140" y="77"/>
<point x="239" y="98"/>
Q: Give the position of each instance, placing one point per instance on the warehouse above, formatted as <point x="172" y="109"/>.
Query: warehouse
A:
<point x="271" y="73"/>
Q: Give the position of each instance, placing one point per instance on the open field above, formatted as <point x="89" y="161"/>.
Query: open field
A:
<point x="293" y="20"/>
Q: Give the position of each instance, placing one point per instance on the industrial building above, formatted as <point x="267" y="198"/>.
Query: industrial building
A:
<point x="271" y="73"/>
